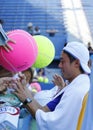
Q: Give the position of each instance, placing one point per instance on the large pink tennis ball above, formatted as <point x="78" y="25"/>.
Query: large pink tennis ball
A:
<point x="24" y="52"/>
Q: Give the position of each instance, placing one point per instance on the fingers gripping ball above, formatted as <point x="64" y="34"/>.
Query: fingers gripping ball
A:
<point x="46" y="51"/>
<point x="24" y="52"/>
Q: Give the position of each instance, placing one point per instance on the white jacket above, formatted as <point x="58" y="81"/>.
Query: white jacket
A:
<point x="66" y="113"/>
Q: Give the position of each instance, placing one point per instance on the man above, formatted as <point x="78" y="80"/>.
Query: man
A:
<point x="67" y="105"/>
<point x="30" y="28"/>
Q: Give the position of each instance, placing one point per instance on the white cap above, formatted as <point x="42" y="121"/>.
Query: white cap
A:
<point x="79" y="51"/>
<point x="30" y="24"/>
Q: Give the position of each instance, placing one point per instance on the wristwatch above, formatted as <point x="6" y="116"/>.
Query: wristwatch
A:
<point x="27" y="100"/>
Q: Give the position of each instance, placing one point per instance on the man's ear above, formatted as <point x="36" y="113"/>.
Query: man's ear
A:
<point x="77" y="63"/>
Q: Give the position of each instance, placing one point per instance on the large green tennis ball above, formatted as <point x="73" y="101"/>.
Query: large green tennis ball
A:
<point x="46" y="51"/>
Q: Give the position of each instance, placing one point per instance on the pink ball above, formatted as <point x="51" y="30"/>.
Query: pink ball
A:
<point x="36" y="86"/>
<point x="24" y="52"/>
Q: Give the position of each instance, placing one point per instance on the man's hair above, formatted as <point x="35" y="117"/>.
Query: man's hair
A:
<point x="31" y="73"/>
<point x="4" y="72"/>
<point x="1" y="67"/>
<point x="72" y="58"/>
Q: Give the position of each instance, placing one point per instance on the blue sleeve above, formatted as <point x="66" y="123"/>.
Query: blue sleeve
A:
<point x="3" y="36"/>
<point x="52" y="104"/>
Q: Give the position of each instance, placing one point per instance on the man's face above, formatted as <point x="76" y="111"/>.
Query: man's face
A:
<point x="67" y="67"/>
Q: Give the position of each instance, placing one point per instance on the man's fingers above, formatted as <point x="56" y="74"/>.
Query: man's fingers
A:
<point x="5" y="47"/>
<point x="10" y="40"/>
<point x="8" y="47"/>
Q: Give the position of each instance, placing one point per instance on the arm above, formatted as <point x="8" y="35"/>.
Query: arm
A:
<point x="22" y="92"/>
<point x="4" y="40"/>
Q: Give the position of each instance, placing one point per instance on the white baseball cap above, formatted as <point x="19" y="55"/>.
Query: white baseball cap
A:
<point x="79" y="51"/>
<point x="30" y="24"/>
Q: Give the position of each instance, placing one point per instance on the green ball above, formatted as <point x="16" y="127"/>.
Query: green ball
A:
<point x="40" y="79"/>
<point x="34" y="90"/>
<point x="46" y="80"/>
<point x="46" y="51"/>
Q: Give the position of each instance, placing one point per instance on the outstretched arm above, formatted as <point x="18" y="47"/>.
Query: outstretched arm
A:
<point x="4" y="40"/>
<point x="22" y="92"/>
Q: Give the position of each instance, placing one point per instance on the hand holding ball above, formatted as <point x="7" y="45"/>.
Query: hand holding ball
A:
<point x="24" y="52"/>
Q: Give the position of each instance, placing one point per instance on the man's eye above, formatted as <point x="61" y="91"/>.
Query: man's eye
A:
<point x="62" y="61"/>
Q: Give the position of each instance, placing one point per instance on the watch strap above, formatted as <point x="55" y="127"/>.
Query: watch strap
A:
<point x="27" y="100"/>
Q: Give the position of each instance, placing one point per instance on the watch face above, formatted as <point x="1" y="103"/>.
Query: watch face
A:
<point x="28" y="100"/>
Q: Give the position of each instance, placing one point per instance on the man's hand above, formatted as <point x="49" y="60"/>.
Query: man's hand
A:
<point x="59" y="81"/>
<point x="21" y="91"/>
<point x="4" y="83"/>
<point x="7" y="47"/>
<point x="4" y="40"/>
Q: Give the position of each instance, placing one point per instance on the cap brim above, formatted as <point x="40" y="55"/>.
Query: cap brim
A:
<point x="85" y="68"/>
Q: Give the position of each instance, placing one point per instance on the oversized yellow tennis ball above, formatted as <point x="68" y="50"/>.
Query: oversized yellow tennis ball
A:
<point x="46" y="51"/>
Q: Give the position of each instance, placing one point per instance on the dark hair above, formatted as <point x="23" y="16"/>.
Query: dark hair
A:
<point x="65" y="44"/>
<point x="43" y="71"/>
<point x="72" y="58"/>
<point x="4" y="72"/>
<point x="31" y="72"/>
<point x="1" y="67"/>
